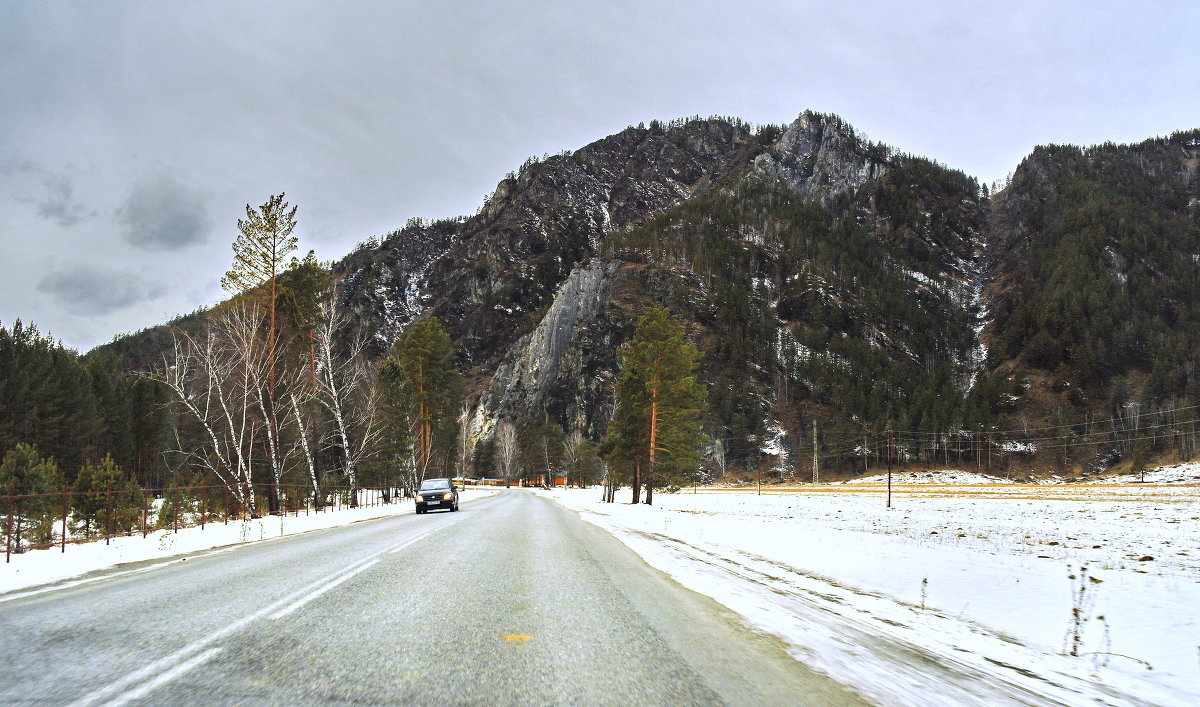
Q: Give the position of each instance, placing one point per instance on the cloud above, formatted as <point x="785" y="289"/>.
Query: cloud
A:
<point x="59" y="203"/>
<point x="162" y="214"/>
<point x="60" y="206"/>
<point x="92" y="290"/>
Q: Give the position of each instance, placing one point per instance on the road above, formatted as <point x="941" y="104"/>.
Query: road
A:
<point x="512" y="600"/>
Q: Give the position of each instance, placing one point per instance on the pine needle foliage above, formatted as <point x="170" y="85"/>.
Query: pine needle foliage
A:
<point x="656" y="427"/>
<point x="430" y="387"/>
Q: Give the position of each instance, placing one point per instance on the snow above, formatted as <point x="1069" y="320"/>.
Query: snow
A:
<point x="38" y="567"/>
<point x="960" y="593"/>
<point x="774" y="439"/>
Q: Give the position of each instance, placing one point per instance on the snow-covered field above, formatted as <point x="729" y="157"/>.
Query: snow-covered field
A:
<point x="958" y="594"/>
<point x="38" y="567"/>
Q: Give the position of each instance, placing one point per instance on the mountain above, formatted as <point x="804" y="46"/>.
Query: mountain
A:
<point x="826" y="278"/>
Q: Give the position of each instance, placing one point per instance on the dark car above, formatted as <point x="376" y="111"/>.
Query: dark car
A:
<point x="437" y="493"/>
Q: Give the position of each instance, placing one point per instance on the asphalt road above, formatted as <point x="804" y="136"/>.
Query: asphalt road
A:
<point x="512" y="600"/>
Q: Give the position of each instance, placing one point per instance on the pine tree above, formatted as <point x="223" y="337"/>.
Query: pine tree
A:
<point x="36" y="483"/>
<point x="659" y="401"/>
<point x="263" y="244"/>
<point x="103" y="491"/>
<point x="395" y="441"/>
<point x="431" y="390"/>
<point x="302" y="290"/>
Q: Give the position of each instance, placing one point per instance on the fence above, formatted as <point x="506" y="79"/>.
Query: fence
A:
<point x="44" y="520"/>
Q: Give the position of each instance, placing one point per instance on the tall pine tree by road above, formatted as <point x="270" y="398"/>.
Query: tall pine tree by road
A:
<point x="430" y="389"/>
<point x="263" y="244"/>
<point x="655" y="432"/>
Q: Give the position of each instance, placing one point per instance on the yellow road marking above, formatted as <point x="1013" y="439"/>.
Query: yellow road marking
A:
<point x="516" y="638"/>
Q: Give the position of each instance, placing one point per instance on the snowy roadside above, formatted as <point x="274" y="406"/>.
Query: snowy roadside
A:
<point x="39" y="567"/>
<point x="946" y="598"/>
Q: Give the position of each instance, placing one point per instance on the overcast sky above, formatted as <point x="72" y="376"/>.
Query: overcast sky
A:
<point x="132" y="134"/>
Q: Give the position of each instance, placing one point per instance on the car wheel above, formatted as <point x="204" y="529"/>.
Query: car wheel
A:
<point x="419" y="511"/>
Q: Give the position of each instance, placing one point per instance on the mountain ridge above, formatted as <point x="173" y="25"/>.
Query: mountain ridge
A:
<point x="829" y="277"/>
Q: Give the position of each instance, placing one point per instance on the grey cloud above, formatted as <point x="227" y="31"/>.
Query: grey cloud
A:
<point x="163" y="214"/>
<point x="60" y="206"/>
<point x="58" y="203"/>
<point x="90" y="290"/>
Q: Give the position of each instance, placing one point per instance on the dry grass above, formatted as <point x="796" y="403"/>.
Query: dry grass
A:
<point x="1162" y="493"/>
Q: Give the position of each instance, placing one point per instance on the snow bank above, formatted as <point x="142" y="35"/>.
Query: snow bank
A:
<point x="947" y="597"/>
<point x="38" y="567"/>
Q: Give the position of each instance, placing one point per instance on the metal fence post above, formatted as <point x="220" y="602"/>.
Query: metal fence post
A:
<point x="107" y="513"/>
<point x="63" y="544"/>
<point x="8" y="531"/>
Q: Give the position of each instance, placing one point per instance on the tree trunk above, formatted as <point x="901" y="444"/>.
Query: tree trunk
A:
<point x="308" y="457"/>
<point x="650" y="494"/>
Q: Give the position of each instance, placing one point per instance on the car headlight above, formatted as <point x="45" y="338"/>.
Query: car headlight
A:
<point x="420" y="499"/>
<point x="448" y="496"/>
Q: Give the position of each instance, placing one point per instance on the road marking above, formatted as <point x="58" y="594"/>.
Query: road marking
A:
<point x="314" y="594"/>
<point x="516" y="638"/>
<point x="164" y="678"/>
<point x="155" y="672"/>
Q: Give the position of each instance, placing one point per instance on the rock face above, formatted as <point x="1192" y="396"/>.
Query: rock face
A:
<point x="821" y="155"/>
<point x="520" y="386"/>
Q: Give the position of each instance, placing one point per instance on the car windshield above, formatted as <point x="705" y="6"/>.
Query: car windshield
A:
<point x="433" y="484"/>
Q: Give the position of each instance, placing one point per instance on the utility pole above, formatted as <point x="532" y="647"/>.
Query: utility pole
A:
<point x="815" y="474"/>
<point x="890" y="442"/>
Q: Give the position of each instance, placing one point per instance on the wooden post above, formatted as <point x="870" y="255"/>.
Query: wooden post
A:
<point x="145" y="513"/>
<point x="203" y="508"/>
<point x="63" y="543"/>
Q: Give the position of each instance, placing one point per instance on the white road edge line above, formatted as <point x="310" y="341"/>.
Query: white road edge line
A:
<point x="171" y="661"/>
<point x="314" y="594"/>
<point x="165" y="678"/>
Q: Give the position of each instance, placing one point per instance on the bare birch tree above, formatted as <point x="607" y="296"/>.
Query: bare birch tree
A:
<point x="506" y="448"/>
<point x="572" y="457"/>
<point x="464" y="438"/>
<point x="346" y="390"/>
<point x="210" y="378"/>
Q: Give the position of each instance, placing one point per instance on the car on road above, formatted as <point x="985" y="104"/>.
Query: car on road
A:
<point x="437" y="493"/>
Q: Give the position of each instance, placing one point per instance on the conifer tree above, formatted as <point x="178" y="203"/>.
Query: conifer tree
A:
<point x="302" y="290"/>
<point x="431" y="390"/>
<point x="263" y="244"/>
<point x="395" y="441"/>
<point x="33" y="479"/>
<point x="659" y="401"/>
<point x="104" y="491"/>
